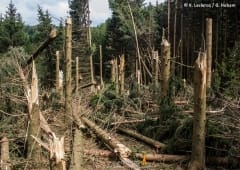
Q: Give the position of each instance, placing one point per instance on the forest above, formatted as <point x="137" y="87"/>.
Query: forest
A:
<point x="156" y="86"/>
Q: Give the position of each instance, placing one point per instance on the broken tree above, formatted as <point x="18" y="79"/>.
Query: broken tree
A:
<point x="68" y="91"/>
<point x="199" y="119"/>
<point x="165" y="67"/>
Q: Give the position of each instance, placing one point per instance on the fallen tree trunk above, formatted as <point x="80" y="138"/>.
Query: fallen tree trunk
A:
<point x="143" y="138"/>
<point x="121" y="150"/>
<point x="162" y="157"/>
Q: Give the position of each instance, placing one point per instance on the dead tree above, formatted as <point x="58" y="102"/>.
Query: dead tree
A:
<point x="77" y="76"/>
<point x="165" y="67"/>
<point x="68" y="91"/>
<point x="122" y="74"/>
<point x="101" y="66"/>
<point x="5" y="158"/>
<point x="199" y="119"/>
<point x="209" y="50"/>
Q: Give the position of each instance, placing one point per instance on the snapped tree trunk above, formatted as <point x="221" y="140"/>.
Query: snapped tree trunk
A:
<point x="122" y="73"/>
<point x="199" y="119"/>
<point x="77" y="76"/>
<point x="68" y="90"/>
<point x="101" y="66"/>
<point x="165" y="67"/>
<point x="33" y="149"/>
<point x="5" y="158"/>
<point x="209" y="50"/>
<point x="57" y="71"/>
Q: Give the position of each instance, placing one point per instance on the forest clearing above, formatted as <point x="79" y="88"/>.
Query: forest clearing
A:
<point x="156" y="86"/>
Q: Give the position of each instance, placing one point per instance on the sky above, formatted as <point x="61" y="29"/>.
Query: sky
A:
<point x="99" y="10"/>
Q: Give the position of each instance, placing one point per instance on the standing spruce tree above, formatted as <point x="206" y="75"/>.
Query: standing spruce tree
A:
<point x="12" y="29"/>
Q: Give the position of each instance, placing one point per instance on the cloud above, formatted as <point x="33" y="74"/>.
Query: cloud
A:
<point x="99" y="10"/>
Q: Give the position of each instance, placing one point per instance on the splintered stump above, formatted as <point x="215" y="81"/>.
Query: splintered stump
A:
<point x="199" y="118"/>
<point x="165" y="67"/>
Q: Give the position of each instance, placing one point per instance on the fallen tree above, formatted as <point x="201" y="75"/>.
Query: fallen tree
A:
<point x="119" y="149"/>
<point x="143" y="138"/>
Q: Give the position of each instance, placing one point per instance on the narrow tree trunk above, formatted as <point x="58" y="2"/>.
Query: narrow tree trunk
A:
<point x="156" y="71"/>
<point x="91" y="55"/>
<point x="169" y="15"/>
<point x="199" y="120"/>
<point x="117" y="75"/>
<point x="68" y="91"/>
<point x="174" y="37"/>
<point x="57" y="72"/>
<point x="5" y="158"/>
<point x="209" y="50"/>
<point x="101" y="66"/>
<point x="77" y="75"/>
<point x="165" y="65"/>
<point x="122" y="73"/>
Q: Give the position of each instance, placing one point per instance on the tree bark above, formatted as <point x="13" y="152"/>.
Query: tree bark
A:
<point x="165" y="65"/>
<point x="143" y="138"/>
<point x="33" y="149"/>
<point x="5" y="158"/>
<point x="122" y="73"/>
<point x="68" y="90"/>
<point x="101" y="66"/>
<point x="209" y="50"/>
<point x="77" y="76"/>
<point x="199" y="120"/>
<point x="162" y="157"/>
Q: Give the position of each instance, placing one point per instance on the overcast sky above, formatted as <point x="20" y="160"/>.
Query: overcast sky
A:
<point x="58" y="9"/>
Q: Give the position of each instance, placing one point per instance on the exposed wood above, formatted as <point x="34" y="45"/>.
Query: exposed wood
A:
<point x="162" y="157"/>
<point x="122" y="74"/>
<point x="165" y="67"/>
<point x="59" y="77"/>
<point x="143" y="138"/>
<point x="101" y="66"/>
<point x="68" y="89"/>
<point x="5" y="158"/>
<point x="209" y="50"/>
<point x="199" y="119"/>
<point x="51" y="37"/>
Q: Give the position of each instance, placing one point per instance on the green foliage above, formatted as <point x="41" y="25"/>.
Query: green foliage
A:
<point x="12" y="29"/>
<point x="227" y="76"/>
